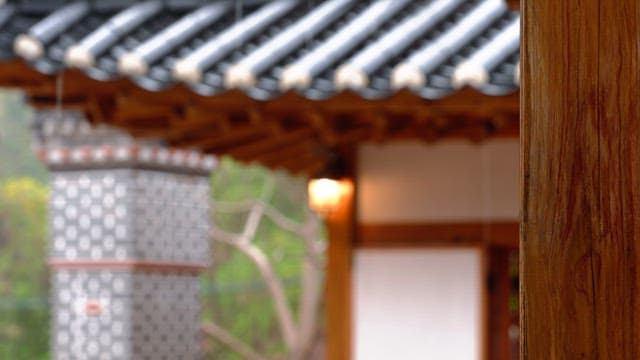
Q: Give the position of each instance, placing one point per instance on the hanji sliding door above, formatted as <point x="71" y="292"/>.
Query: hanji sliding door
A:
<point x="416" y="304"/>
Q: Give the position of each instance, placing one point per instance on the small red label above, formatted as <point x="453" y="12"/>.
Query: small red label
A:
<point x="93" y="307"/>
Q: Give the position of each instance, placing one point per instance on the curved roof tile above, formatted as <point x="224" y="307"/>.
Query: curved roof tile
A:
<point x="314" y="47"/>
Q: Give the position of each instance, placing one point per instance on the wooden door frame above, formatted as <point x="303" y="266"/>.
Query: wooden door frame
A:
<point x="488" y="237"/>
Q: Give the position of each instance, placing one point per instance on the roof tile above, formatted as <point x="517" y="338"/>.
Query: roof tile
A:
<point x="431" y="46"/>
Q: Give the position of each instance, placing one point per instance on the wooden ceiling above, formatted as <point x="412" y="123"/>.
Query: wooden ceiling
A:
<point x="290" y="132"/>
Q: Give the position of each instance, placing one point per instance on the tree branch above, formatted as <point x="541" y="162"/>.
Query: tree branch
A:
<point x="272" y="281"/>
<point x="230" y="341"/>
<point x="298" y="337"/>
<point x="283" y="222"/>
<point x="276" y="289"/>
<point x="269" y="211"/>
<point x="252" y="224"/>
<point x="311" y="292"/>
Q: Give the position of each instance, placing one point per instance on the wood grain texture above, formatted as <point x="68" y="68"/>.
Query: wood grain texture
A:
<point x="514" y="4"/>
<point x="499" y="316"/>
<point x="416" y="235"/>
<point x="228" y="123"/>
<point x="496" y="241"/>
<point x="580" y="237"/>
<point x="341" y="233"/>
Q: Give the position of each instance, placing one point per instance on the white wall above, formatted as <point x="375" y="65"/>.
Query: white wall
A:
<point x="449" y="181"/>
<point x="426" y="303"/>
<point x="417" y="304"/>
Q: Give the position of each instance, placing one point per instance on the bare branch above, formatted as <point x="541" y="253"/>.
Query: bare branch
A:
<point x="311" y="293"/>
<point x="230" y="341"/>
<point x="252" y="224"/>
<point x="270" y="212"/>
<point x="272" y="281"/>
<point x="298" y="337"/>
<point x="282" y="221"/>
<point x="234" y="207"/>
<point x="276" y="289"/>
<point x="223" y="236"/>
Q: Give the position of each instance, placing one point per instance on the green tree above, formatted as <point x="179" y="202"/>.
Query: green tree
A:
<point x="16" y="157"/>
<point x="237" y="300"/>
<point x="234" y="294"/>
<point x="24" y="315"/>
<point x="24" y="329"/>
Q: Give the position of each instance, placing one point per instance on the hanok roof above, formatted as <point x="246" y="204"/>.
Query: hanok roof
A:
<point x="290" y="84"/>
<point x="316" y="48"/>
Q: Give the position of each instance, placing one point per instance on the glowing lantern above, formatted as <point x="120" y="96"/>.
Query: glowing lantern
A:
<point x="324" y="195"/>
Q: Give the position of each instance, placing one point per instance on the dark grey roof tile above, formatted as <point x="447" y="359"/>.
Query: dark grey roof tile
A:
<point x="150" y="84"/>
<point x="268" y="46"/>
<point x="498" y="90"/>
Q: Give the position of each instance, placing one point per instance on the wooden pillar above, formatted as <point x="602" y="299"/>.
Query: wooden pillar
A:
<point x="341" y="232"/>
<point x="499" y="316"/>
<point x="580" y="237"/>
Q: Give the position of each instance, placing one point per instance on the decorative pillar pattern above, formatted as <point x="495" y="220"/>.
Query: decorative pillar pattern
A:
<point x="129" y="236"/>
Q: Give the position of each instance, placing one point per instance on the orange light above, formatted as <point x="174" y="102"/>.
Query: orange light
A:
<point x="325" y="195"/>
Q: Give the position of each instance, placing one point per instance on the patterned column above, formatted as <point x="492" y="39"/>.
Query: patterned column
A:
<point x="129" y="236"/>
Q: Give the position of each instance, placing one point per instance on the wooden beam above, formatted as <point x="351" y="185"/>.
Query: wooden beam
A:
<point x="352" y="136"/>
<point x="128" y="110"/>
<point x="17" y="73"/>
<point x="251" y="151"/>
<point x="184" y="130"/>
<point x="318" y="122"/>
<point x="380" y="126"/>
<point x="580" y="254"/>
<point x="234" y="137"/>
<point x="283" y="154"/>
<point x="301" y="162"/>
<point x="514" y="4"/>
<point x="494" y="234"/>
<point x="313" y="168"/>
<point x="176" y="96"/>
<point x="100" y="109"/>
<point x="466" y="100"/>
<point x="217" y="121"/>
<point x="499" y="317"/>
<point x="341" y="230"/>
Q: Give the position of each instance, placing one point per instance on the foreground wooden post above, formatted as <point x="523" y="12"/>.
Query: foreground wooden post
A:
<point x="580" y="239"/>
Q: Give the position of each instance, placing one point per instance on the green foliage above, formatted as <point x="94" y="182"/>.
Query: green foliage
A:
<point x="235" y="296"/>
<point x="16" y="157"/>
<point x="24" y="329"/>
<point x="24" y="314"/>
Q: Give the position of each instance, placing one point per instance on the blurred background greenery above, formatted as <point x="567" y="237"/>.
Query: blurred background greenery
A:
<point x="233" y="294"/>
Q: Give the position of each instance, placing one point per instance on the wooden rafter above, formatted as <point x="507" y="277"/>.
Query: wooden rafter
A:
<point x="250" y="151"/>
<point x="279" y="155"/>
<point x="234" y="137"/>
<point x="301" y="161"/>
<point x="250" y="130"/>
<point x="514" y="4"/>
